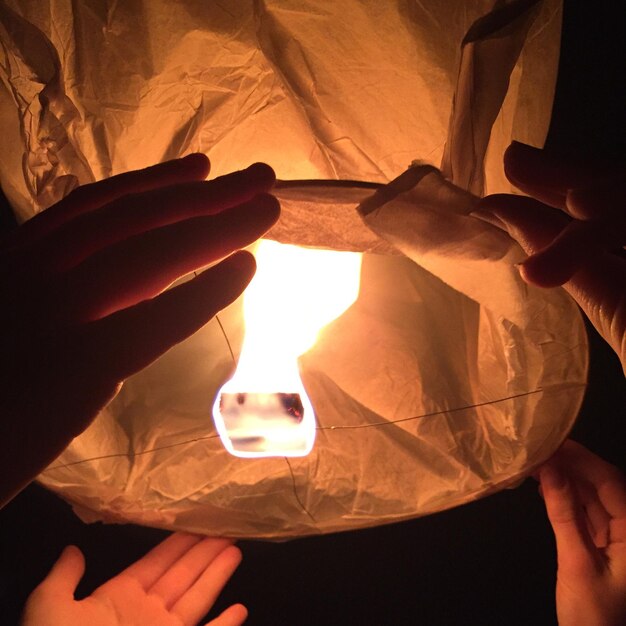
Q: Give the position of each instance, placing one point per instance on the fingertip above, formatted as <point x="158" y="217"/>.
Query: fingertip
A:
<point x="234" y="554"/>
<point x="544" y="272"/>
<point x="605" y="199"/>
<point x="242" y="262"/>
<point x="517" y="148"/>
<point x="223" y="283"/>
<point x="515" y="158"/>
<point x="199" y="163"/>
<point x="74" y="550"/>
<point x="234" y="615"/>
<point x="240" y="612"/>
<point x="227" y="555"/>
<point x="67" y="570"/>
<point x="72" y="554"/>
<point x="575" y="202"/>
<point x="526" y="270"/>
<point x="522" y="162"/>
<point x="263" y="174"/>
<point x="269" y="205"/>
<point x="536" y="172"/>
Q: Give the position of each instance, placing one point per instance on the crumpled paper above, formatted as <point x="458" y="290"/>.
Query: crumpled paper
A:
<point x="449" y="378"/>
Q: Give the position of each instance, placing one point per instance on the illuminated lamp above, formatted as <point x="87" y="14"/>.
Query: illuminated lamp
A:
<point x="436" y="377"/>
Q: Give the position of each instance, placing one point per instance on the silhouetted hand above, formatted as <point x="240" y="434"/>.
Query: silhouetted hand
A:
<point x="575" y="244"/>
<point x="175" y="584"/>
<point x="83" y="301"/>
<point x="586" y="502"/>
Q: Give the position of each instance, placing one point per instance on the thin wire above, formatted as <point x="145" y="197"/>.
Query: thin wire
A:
<point x="232" y="354"/>
<point x="217" y="319"/>
<point x="132" y="453"/>
<point x="295" y="490"/>
<point x="434" y="413"/>
<point x="387" y="423"/>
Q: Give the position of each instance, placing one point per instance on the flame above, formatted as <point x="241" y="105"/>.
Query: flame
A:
<point x="263" y="410"/>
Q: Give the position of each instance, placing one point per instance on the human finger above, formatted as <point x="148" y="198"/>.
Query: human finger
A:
<point x="143" y="266"/>
<point x="180" y="577"/>
<point x="201" y="596"/>
<point x="527" y="220"/>
<point x="137" y="213"/>
<point x="577" y="244"/>
<point x="149" y="568"/>
<point x="608" y="482"/>
<point x="557" y="246"/>
<point x="599" y="225"/>
<point x="66" y="573"/>
<point x="129" y="340"/>
<point x="597" y="518"/>
<point x="91" y="196"/>
<point x="234" y="615"/>
<point x="575" y="548"/>
<point x="598" y="287"/>
<point x="600" y="200"/>
<point x="548" y="176"/>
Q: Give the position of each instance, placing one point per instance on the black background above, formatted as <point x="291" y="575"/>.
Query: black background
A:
<point x="491" y="562"/>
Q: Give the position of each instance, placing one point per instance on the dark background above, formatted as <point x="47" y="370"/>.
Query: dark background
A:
<point x="491" y="562"/>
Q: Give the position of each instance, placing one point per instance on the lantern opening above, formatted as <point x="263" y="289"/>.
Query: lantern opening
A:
<point x="264" y="410"/>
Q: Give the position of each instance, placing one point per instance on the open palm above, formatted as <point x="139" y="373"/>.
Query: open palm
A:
<point x="175" y="584"/>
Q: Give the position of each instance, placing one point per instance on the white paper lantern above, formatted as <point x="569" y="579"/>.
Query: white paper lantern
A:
<point x="448" y="378"/>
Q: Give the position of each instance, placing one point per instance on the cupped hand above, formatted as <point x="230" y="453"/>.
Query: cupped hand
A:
<point x="585" y="499"/>
<point x="83" y="301"/>
<point x="175" y="584"/>
<point x="573" y="227"/>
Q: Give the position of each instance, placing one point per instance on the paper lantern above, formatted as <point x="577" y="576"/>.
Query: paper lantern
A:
<point x="447" y="378"/>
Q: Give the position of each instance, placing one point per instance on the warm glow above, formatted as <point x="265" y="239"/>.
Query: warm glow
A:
<point x="263" y="410"/>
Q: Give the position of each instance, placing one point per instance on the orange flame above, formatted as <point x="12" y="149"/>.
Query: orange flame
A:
<point x="263" y="410"/>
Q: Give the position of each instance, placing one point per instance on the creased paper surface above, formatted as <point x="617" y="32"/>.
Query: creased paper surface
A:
<point x="448" y="378"/>
<point x="349" y="89"/>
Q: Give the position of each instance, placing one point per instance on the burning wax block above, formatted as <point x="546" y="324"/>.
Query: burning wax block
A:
<point x="264" y="409"/>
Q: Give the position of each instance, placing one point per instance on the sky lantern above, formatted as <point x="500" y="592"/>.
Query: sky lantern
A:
<point x="387" y="361"/>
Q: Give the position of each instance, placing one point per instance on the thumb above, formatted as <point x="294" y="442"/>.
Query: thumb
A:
<point x="577" y="554"/>
<point x="66" y="573"/>
<point x="527" y="220"/>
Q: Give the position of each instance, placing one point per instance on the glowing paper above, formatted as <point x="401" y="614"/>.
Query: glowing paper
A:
<point x="448" y="378"/>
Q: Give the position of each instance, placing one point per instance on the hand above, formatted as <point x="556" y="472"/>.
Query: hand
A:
<point x="586" y="502"/>
<point x="575" y="245"/>
<point x="83" y="306"/>
<point x="175" y="584"/>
